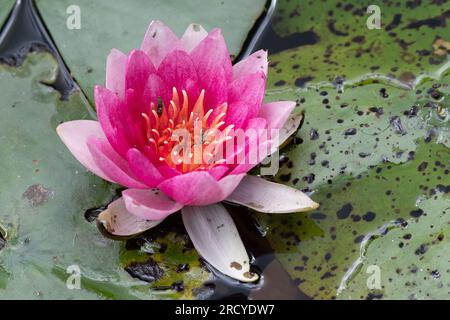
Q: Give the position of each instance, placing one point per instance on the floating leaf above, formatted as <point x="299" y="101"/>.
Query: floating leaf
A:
<point x="412" y="259"/>
<point x="319" y="248"/>
<point x="5" y="8"/>
<point x="334" y="41"/>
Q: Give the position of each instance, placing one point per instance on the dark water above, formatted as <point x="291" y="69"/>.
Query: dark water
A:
<point x="25" y="32"/>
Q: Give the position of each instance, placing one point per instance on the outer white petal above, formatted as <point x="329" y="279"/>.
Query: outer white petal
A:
<point x="217" y="240"/>
<point x="269" y="197"/>
<point x="193" y="35"/>
<point x="118" y="221"/>
<point x="115" y="72"/>
<point x="288" y="129"/>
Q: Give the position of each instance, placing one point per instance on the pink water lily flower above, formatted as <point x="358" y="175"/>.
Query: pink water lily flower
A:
<point x="172" y="84"/>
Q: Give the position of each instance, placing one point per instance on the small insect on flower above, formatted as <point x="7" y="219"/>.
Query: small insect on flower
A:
<point x="180" y="127"/>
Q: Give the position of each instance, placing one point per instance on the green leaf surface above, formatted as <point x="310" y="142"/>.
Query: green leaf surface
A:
<point x="319" y="248"/>
<point x="369" y="154"/>
<point x="344" y="133"/>
<point x="413" y="259"/>
<point x="413" y="41"/>
<point x="5" y="9"/>
<point x="44" y="194"/>
<point x="373" y="149"/>
<point x="122" y="25"/>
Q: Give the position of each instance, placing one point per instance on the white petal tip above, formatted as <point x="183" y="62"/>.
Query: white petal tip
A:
<point x="118" y="221"/>
<point x="269" y="197"/>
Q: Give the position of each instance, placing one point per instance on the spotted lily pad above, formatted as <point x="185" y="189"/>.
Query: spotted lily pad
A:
<point x="334" y="41"/>
<point x="44" y="194"/>
<point x="319" y="249"/>
<point x="368" y="153"/>
<point x="411" y="260"/>
<point x="346" y="132"/>
<point x="122" y="25"/>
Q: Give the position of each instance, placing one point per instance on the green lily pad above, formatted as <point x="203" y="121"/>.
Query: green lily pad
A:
<point x="5" y="8"/>
<point x="122" y="25"/>
<point x="43" y="197"/>
<point x="318" y="249"/>
<point x="412" y="258"/>
<point x="368" y="153"/>
<point x="412" y="42"/>
<point x="347" y="133"/>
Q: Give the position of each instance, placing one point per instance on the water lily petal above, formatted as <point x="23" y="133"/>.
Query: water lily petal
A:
<point x="193" y="35"/>
<point x="177" y="70"/>
<point x="114" y="118"/>
<point x="75" y="134"/>
<point x="158" y="41"/>
<point x="154" y="88"/>
<point x="237" y="114"/>
<point x="110" y="162"/>
<point x="139" y="68"/>
<point x="143" y="169"/>
<point x="249" y="89"/>
<point x="265" y="196"/>
<point x="229" y="183"/>
<point x="149" y="204"/>
<point x="118" y="221"/>
<point x="218" y="172"/>
<point x="211" y="51"/>
<point x="253" y="63"/>
<point x="289" y="128"/>
<point x="276" y="113"/>
<point x="168" y="172"/>
<point x="250" y="153"/>
<point x="216" y="88"/>
<point x="217" y="240"/>
<point x="197" y="188"/>
<point x="115" y="72"/>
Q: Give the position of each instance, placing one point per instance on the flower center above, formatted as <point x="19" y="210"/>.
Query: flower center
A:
<point x="187" y="138"/>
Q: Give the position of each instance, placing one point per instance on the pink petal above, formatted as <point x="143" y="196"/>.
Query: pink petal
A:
<point x="218" y="172"/>
<point x="154" y="88"/>
<point x="115" y="72"/>
<point x="193" y="35"/>
<point x="197" y="188"/>
<point x="149" y="204"/>
<point x="139" y="68"/>
<point x="252" y="64"/>
<point x="217" y="240"/>
<point x="118" y="221"/>
<point x="276" y="113"/>
<point x="216" y="87"/>
<point x="237" y="114"/>
<point x="112" y="163"/>
<point x="143" y="169"/>
<point x="177" y="70"/>
<point x="211" y="52"/>
<point x="260" y="153"/>
<point x="249" y="89"/>
<point x="111" y="112"/>
<point x="230" y="183"/>
<point x="264" y="196"/>
<point x="257" y="146"/>
<point x="158" y="41"/>
<point x="168" y="172"/>
<point x="74" y="134"/>
<point x="247" y="139"/>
